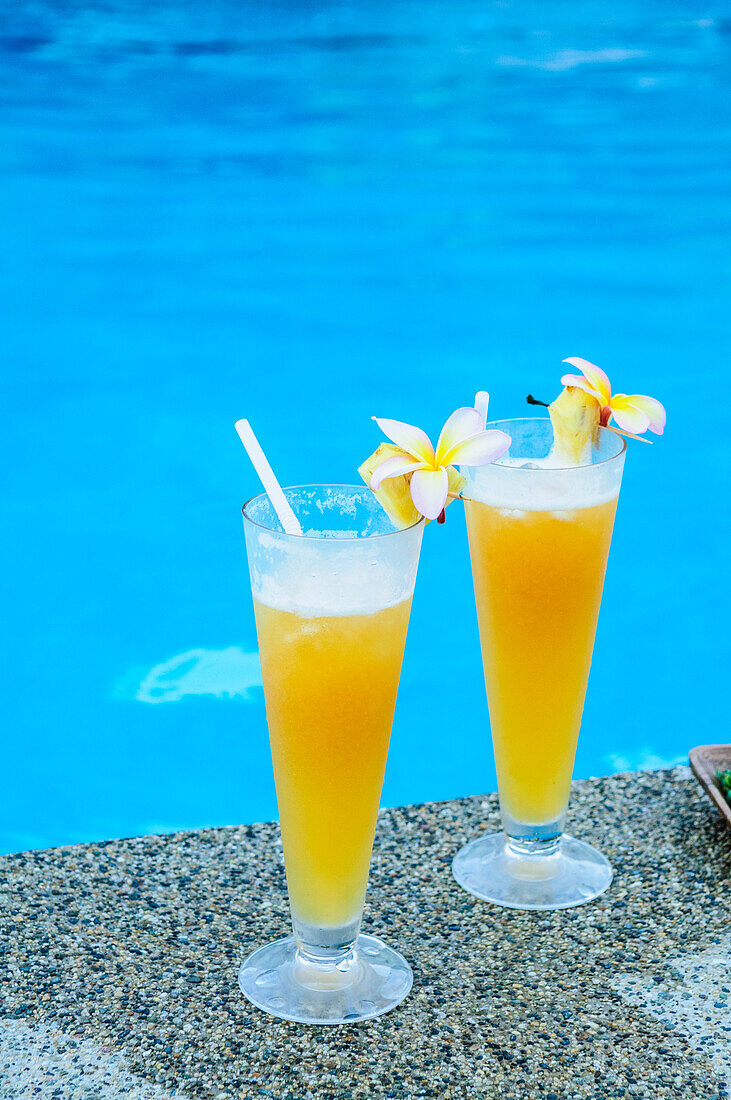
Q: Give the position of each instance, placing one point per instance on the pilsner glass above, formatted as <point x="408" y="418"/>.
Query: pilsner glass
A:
<point x="539" y="539"/>
<point x="332" y="608"/>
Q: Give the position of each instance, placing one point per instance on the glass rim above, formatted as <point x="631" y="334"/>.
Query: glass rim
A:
<point x="324" y="538"/>
<point x="553" y="469"/>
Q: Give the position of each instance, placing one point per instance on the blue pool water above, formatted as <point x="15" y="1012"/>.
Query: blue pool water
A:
<point x="306" y="213"/>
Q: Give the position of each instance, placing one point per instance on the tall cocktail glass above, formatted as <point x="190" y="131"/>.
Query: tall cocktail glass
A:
<point x="539" y="539"/>
<point x="332" y="609"/>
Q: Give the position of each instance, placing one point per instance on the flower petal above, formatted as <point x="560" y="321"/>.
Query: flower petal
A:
<point x="392" y="467"/>
<point x="429" y="491"/>
<point x="409" y="438"/>
<point x="627" y="416"/>
<point x="594" y="375"/>
<point x="482" y="448"/>
<point x="460" y="426"/>
<point x="581" y="383"/>
<point x="652" y="409"/>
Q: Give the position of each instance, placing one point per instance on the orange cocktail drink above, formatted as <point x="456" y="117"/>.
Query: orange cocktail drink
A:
<point x="538" y="578"/>
<point x="332" y="609"/>
<point x="539" y="534"/>
<point x="330" y="683"/>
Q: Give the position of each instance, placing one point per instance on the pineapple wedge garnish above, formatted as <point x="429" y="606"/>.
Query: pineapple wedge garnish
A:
<point x="394" y="493"/>
<point x="575" y="418"/>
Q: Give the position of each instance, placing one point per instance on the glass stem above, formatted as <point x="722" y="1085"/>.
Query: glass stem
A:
<point x="532" y="849"/>
<point x="326" y="957"/>
<point x="529" y="840"/>
<point x="325" y="946"/>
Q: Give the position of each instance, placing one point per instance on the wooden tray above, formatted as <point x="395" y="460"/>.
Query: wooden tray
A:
<point x="706" y="760"/>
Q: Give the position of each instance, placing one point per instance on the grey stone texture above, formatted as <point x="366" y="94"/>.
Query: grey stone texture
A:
<point x="118" y="965"/>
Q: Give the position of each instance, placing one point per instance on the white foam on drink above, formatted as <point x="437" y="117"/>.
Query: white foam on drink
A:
<point x="313" y="596"/>
<point x="314" y="577"/>
<point x="516" y="485"/>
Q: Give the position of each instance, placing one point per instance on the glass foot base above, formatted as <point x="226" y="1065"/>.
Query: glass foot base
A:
<point x="571" y="875"/>
<point x="280" y="981"/>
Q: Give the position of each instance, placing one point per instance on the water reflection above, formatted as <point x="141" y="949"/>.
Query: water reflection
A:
<point x="223" y="673"/>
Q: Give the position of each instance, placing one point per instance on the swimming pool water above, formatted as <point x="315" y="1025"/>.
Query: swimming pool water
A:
<point x="308" y="214"/>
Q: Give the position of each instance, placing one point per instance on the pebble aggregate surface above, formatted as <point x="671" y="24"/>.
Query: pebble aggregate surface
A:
<point x="118" y="965"/>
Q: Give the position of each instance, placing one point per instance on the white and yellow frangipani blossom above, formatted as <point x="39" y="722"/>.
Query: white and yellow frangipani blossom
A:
<point x="463" y="440"/>
<point x="633" y="413"/>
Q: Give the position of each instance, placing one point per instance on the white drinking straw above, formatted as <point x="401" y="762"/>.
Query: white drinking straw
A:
<point x="273" y="489"/>
<point x="482" y="400"/>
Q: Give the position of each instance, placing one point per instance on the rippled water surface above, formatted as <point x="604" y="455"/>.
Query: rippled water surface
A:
<point x="308" y="213"/>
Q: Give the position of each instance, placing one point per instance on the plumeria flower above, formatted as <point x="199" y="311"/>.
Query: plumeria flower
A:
<point x="463" y="440"/>
<point x="634" y="413"/>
